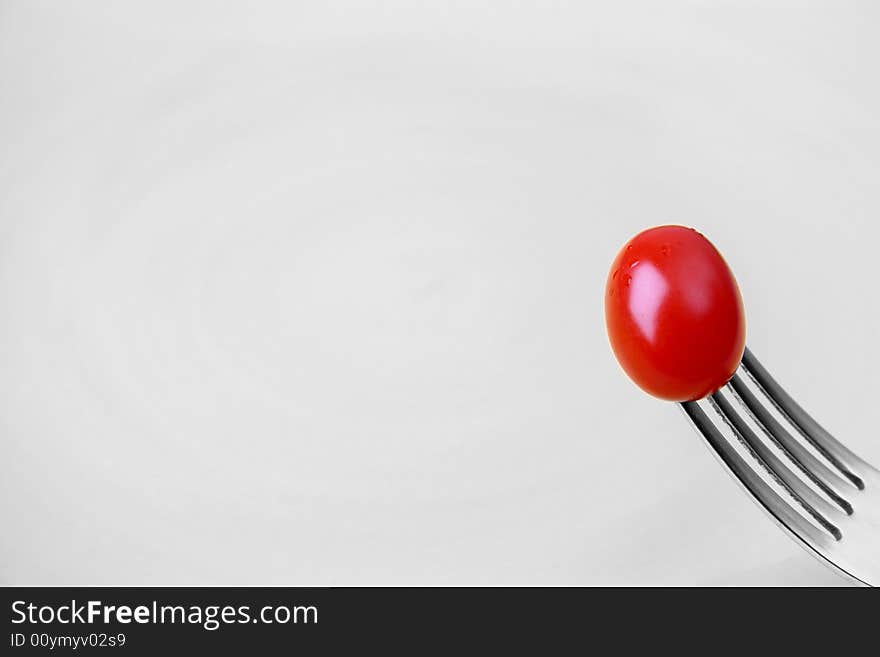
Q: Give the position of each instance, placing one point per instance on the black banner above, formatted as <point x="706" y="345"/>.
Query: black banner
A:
<point x="180" y="620"/>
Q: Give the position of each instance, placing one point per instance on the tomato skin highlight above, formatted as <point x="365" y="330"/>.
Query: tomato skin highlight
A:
<point x="674" y="314"/>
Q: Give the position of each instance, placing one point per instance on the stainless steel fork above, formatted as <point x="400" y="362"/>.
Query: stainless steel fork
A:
<point x="817" y="490"/>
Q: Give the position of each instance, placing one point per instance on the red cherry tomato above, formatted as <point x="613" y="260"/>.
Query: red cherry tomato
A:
<point x="674" y="314"/>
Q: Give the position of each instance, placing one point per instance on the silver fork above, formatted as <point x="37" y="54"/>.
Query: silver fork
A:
<point x="817" y="490"/>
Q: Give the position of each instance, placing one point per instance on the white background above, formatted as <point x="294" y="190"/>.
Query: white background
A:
<point x="312" y="293"/>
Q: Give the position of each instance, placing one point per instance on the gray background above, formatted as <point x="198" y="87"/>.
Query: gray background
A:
<point x="312" y="293"/>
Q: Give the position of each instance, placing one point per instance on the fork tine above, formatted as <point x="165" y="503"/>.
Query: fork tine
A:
<point x="825" y="478"/>
<point x="836" y="453"/>
<point x="787" y="517"/>
<point x="821" y="510"/>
